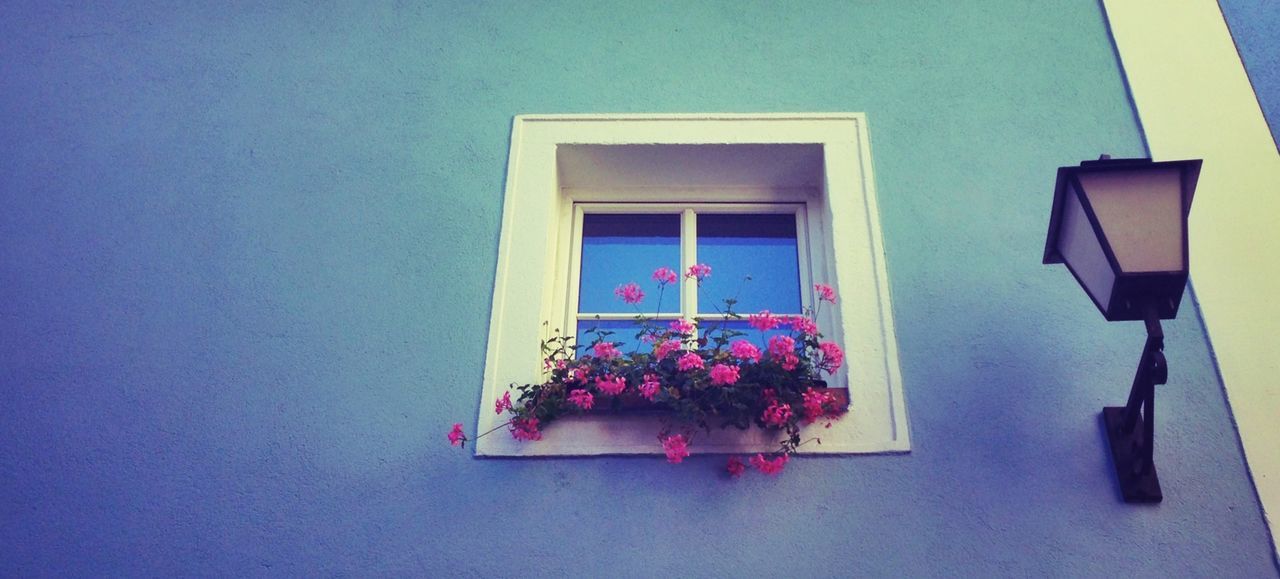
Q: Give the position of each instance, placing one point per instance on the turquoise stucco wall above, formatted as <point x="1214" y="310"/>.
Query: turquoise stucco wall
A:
<point x="246" y="260"/>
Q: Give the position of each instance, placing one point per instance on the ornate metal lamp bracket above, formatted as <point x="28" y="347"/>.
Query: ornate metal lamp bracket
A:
<point x="1131" y="428"/>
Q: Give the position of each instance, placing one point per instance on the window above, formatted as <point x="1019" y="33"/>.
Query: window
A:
<point x="594" y="201"/>
<point x="759" y="255"/>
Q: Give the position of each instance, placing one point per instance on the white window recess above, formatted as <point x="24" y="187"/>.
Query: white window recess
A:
<point x="820" y="163"/>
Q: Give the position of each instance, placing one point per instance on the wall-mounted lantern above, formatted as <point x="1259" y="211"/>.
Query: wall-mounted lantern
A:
<point x="1120" y="226"/>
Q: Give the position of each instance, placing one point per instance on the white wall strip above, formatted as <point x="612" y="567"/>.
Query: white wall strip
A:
<point x="1195" y="101"/>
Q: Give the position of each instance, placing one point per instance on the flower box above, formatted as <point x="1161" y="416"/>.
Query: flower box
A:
<point x="701" y="372"/>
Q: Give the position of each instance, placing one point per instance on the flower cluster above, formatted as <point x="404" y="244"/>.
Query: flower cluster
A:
<point x="699" y="272"/>
<point x="456" y="437"/>
<point x="664" y="276"/>
<point x="676" y="446"/>
<point x="702" y="371"/>
<point x="630" y="293"/>
<point x="770" y="467"/>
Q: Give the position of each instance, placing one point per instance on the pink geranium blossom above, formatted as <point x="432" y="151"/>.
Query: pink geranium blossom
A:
<point x="815" y="404"/>
<point x="803" y="325"/>
<point x="682" y="326"/>
<point x="780" y="346"/>
<point x="525" y="429"/>
<point x="698" y="271"/>
<point x="665" y="348"/>
<point x="582" y="398"/>
<point x="606" y="351"/>
<point x="832" y="356"/>
<point x="503" y="403"/>
<point x="610" y="385"/>
<point x="664" y="275"/>
<point x="689" y="361"/>
<point x="456" y="437"/>
<point x="548" y="363"/>
<point x="677" y="447"/>
<point x="629" y="293"/>
<point x="769" y="467"/>
<point x="789" y="362"/>
<point x="578" y="375"/>
<point x="777" y="414"/>
<point x="735" y="466"/>
<point x="825" y="292"/>
<point x="649" y="388"/>
<point x="724" y="375"/>
<point x="764" y="321"/>
<point x="744" y="350"/>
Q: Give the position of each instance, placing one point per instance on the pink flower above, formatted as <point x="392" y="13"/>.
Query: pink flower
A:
<point x="682" y="326"/>
<point x="525" y="429"/>
<point x="610" y="385"/>
<point x="503" y="403"/>
<point x="789" y="362"/>
<point x="578" y="375"/>
<point x="735" y="467"/>
<point x="777" y="415"/>
<point x="724" y="375"/>
<point x="768" y="395"/>
<point x="664" y="275"/>
<point x="582" y="398"/>
<point x="677" y="447"/>
<point x="744" y="350"/>
<point x="764" y="321"/>
<point x="649" y="388"/>
<point x="780" y="346"/>
<point x="815" y="404"/>
<point x="699" y="271"/>
<point x="689" y="361"/>
<point x="832" y="356"/>
<point x="803" y="325"/>
<point x="456" y="437"/>
<point x="606" y="351"/>
<point x="665" y="348"/>
<point x="630" y="293"/>
<point x="770" y="467"/>
<point x="825" y="293"/>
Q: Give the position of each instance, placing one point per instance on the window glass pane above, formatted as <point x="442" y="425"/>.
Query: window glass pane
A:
<point x="621" y="248"/>
<point x="624" y="331"/>
<point x="762" y="246"/>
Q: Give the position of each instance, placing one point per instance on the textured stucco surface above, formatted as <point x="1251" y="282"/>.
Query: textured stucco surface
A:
<point x="1255" y="27"/>
<point x="246" y="258"/>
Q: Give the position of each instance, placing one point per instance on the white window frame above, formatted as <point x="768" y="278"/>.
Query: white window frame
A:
<point x="688" y="289"/>
<point x="532" y="285"/>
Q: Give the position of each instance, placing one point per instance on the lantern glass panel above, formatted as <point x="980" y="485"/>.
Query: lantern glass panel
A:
<point x="1141" y="215"/>
<point x="1082" y="251"/>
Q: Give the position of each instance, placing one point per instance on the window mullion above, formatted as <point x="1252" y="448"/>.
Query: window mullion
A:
<point x="688" y="257"/>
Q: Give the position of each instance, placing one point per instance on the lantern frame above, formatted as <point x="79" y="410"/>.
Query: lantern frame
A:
<point x="1131" y="292"/>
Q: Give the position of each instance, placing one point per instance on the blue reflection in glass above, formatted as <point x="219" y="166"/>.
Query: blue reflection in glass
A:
<point x="624" y="331"/>
<point x="622" y="248"/>
<point x="762" y="246"/>
<point x="750" y="334"/>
